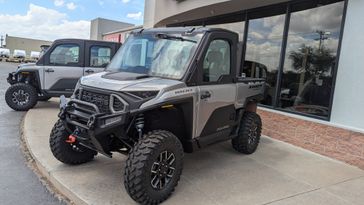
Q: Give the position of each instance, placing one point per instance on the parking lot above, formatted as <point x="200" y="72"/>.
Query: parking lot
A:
<point x="19" y="184"/>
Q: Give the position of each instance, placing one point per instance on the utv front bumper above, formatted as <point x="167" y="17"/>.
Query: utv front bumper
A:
<point x="90" y="121"/>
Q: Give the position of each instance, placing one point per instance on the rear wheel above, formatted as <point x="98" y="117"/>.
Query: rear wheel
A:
<point x="154" y="167"/>
<point x="249" y="133"/>
<point x="65" y="152"/>
<point x="21" y="96"/>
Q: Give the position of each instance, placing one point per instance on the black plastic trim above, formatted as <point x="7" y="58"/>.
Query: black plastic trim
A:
<point x="64" y="85"/>
<point x="84" y="53"/>
<point x="232" y="39"/>
<point x="14" y="77"/>
<point x="221" y="118"/>
<point x="89" y="44"/>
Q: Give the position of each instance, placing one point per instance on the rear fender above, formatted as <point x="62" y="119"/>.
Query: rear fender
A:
<point x="251" y="103"/>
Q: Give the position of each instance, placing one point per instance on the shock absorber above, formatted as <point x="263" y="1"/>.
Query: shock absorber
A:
<point x="139" y="124"/>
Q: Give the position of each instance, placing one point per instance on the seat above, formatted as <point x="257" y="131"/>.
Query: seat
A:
<point x="213" y="69"/>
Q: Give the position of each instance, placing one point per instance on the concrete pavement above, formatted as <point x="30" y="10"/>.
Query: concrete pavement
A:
<point x="278" y="173"/>
<point x="18" y="184"/>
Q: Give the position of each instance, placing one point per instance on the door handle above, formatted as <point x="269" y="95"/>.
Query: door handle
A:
<point x="89" y="71"/>
<point x="49" y="70"/>
<point x="205" y="95"/>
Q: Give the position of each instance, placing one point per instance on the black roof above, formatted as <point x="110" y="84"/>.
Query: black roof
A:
<point x="77" y="40"/>
<point x="191" y="30"/>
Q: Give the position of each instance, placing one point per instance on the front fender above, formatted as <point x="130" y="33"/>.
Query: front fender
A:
<point x="20" y="76"/>
<point x="12" y="78"/>
<point x="30" y="76"/>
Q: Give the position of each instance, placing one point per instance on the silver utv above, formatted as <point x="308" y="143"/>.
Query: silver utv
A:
<point x="57" y="71"/>
<point x="167" y="91"/>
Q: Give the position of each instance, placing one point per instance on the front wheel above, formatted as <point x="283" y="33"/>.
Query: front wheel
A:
<point x="154" y="167"/>
<point x="249" y="133"/>
<point x="21" y="97"/>
<point x="65" y="152"/>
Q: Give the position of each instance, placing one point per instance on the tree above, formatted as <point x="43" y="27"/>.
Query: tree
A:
<point x="314" y="61"/>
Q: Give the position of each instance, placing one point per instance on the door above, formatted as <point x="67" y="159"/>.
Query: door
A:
<point x="217" y="92"/>
<point x="98" y="56"/>
<point x="63" y="68"/>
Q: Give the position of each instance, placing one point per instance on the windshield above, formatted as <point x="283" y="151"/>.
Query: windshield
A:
<point x="155" y="55"/>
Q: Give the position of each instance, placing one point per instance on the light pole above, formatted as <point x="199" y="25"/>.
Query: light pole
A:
<point x="324" y="35"/>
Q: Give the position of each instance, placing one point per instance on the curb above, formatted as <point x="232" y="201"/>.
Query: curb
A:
<point x="52" y="184"/>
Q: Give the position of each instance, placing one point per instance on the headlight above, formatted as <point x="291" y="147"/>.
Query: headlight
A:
<point x="144" y="94"/>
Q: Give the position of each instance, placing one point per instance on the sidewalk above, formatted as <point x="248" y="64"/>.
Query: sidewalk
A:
<point x="278" y="173"/>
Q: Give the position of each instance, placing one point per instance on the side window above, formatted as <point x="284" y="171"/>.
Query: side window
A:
<point x="217" y="61"/>
<point x="255" y="70"/>
<point x="100" y="56"/>
<point x="65" y="54"/>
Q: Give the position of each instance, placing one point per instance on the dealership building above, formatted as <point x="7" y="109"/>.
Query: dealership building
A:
<point x="309" y="51"/>
<point x="26" y="44"/>
<point x="110" y="30"/>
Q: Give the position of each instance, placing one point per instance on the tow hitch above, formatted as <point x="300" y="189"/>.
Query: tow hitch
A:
<point x="71" y="139"/>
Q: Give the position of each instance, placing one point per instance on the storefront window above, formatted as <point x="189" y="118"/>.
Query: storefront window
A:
<point x="263" y="49"/>
<point x="309" y="66"/>
<point x="237" y="27"/>
<point x="301" y="79"/>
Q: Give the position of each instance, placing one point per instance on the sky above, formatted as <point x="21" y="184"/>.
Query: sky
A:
<point x="54" y="19"/>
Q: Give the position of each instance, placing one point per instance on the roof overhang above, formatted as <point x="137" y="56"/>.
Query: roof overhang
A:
<point x="179" y="12"/>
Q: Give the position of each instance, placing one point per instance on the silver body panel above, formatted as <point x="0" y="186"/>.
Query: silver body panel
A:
<point x="174" y="90"/>
<point x="245" y="90"/>
<point x="145" y="84"/>
<point x="221" y="95"/>
<point x="59" y="73"/>
<point x="48" y="79"/>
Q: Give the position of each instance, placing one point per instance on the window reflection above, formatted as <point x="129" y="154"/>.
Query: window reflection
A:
<point x="263" y="51"/>
<point x="237" y="27"/>
<point x="310" y="60"/>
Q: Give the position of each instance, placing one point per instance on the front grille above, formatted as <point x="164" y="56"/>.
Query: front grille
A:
<point x="102" y="101"/>
<point x="98" y="99"/>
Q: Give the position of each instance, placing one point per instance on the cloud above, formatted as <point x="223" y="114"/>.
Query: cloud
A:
<point x="266" y="53"/>
<point x="58" y="2"/>
<point x="135" y="16"/>
<point x="322" y="18"/>
<point x="71" y="6"/>
<point x="125" y="1"/>
<point x="256" y="36"/>
<point x="34" y="25"/>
